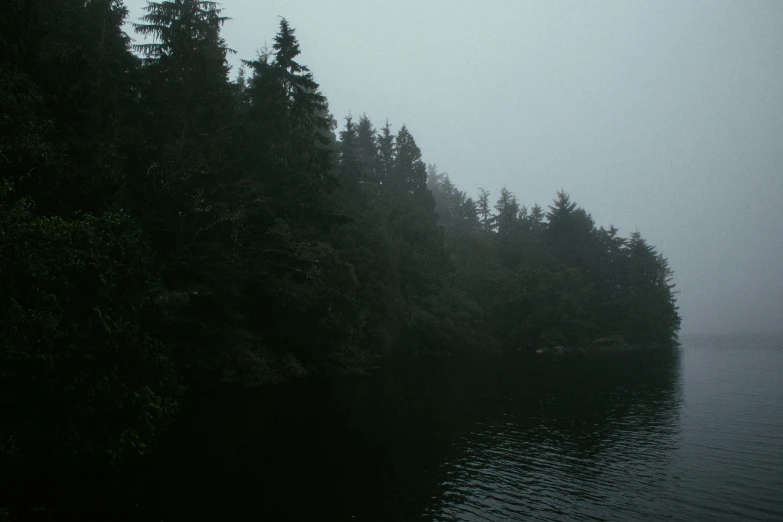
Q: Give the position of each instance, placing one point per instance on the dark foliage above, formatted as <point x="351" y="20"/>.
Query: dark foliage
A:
<point x="162" y="227"/>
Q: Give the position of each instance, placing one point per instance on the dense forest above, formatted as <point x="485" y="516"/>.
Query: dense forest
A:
<point x="166" y="224"/>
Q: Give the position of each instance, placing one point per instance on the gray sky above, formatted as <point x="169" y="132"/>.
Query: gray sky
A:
<point x="661" y="115"/>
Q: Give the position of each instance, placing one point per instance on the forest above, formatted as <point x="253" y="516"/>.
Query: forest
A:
<point x="168" y="224"/>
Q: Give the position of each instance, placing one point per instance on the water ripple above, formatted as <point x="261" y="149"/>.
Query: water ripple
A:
<point x="703" y="447"/>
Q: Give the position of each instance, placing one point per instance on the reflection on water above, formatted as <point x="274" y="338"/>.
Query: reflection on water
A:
<point x="597" y="442"/>
<point x="564" y="437"/>
<point x="688" y="434"/>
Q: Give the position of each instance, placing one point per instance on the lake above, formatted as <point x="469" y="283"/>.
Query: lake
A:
<point x="692" y="433"/>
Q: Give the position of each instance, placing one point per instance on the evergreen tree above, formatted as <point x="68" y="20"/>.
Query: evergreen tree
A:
<point x="184" y="178"/>
<point x="84" y="378"/>
<point x="291" y="117"/>
<point x="351" y="168"/>
<point x="161" y="225"/>
<point x="647" y="296"/>
<point x="386" y="151"/>
<point x="297" y="282"/>
<point x="367" y="153"/>
<point x="484" y="210"/>
<point x="569" y="232"/>
<point x="367" y="143"/>
<point x="408" y="173"/>
<point x="536" y="218"/>
<point x="77" y="56"/>
<point x="507" y="216"/>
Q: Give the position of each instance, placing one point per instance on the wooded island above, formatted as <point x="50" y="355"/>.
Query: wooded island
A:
<point x="163" y="226"/>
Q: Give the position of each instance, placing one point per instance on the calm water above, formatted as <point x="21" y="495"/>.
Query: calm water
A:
<point x="690" y="434"/>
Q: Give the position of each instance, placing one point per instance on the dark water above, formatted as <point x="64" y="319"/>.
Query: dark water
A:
<point x="695" y="433"/>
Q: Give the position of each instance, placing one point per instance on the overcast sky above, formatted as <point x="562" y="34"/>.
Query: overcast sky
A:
<point x="666" y="116"/>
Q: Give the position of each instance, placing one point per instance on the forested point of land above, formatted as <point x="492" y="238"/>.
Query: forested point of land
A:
<point x="164" y="226"/>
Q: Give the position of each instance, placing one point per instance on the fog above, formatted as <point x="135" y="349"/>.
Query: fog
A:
<point x="666" y="117"/>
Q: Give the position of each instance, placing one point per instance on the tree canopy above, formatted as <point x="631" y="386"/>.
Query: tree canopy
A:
<point x="163" y="228"/>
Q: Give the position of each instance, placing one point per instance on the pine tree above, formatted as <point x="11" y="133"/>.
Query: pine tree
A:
<point x="507" y="213"/>
<point x="183" y="188"/>
<point x="409" y="174"/>
<point x="456" y="212"/>
<point x="484" y="210"/>
<point x="77" y="56"/>
<point x="290" y="116"/>
<point x="189" y="99"/>
<point x="536" y="218"/>
<point x="569" y="231"/>
<point x="297" y="281"/>
<point x="367" y="153"/>
<point x="650" y="312"/>
<point x="386" y="151"/>
<point x="367" y="142"/>
<point x="351" y="172"/>
<point x="84" y="377"/>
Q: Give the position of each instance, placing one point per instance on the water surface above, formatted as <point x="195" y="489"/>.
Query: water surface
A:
<point x="694" y="433"/>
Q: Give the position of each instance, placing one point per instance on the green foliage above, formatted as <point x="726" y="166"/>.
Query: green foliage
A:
<point x="80" y="375"/>
<point x="557" y="281"/>
<point x="163" y="226"/>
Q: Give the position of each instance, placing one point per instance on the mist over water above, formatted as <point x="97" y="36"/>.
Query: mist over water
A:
<point x="251" y="293"/>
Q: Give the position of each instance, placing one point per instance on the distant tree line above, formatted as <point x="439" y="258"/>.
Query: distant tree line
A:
<point x="162" y="226"/>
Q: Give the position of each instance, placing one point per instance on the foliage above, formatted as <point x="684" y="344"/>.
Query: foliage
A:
<point x="161" y="225"/>
<point x="80" y="375"/>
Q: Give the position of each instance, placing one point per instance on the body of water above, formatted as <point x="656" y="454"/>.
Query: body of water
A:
<point x="693" y="433"/>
